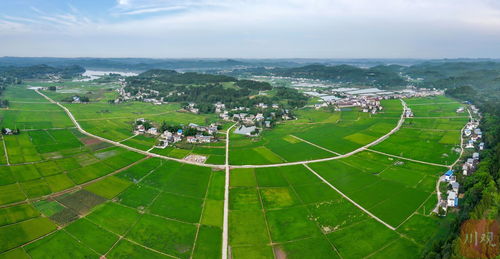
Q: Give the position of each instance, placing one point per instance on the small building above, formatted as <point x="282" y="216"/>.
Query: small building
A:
<point x="153" y="131"/>
<point x="191" y="139"/>
<point x="448" y="175"/>
<point x="475" y="156"/>
<point x="465" y="169"/>
<point x="8" y="131"/>
<point x="267" y="124"/>
<point x="244" y="130"/>
<point x="455" y="186"/>
<point x="481" y="146"/>
<point x="162" y="144"/>
<point x="452" y="200"/>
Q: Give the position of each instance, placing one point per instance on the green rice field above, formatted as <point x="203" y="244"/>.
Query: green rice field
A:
<point x="66" y="195"/>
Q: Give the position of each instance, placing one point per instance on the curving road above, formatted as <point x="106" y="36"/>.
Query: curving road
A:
<point x="79" y="128"/>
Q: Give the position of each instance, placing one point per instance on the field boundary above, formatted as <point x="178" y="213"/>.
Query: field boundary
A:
<point x="405" y="158"/>
<point x="80" y="129"/>
<point x="365" y="147"/>
<point x="73" y="188"/>
<point x="315" y="145"/>
<point x="349" y="199"/>
<point x="5" y="151"/>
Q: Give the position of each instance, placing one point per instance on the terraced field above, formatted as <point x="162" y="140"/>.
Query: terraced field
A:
<point x="67" y="195"/>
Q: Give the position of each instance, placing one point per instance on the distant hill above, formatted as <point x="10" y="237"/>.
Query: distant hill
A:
<point x="40" y="71"/>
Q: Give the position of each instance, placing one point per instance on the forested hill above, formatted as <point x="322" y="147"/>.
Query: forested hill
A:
<point x="481" y="190"/>
<point x="40" y="71"/>
<point x="437" y="74"/>
<point x="207" y="89"/>
<point x="479" y="75"/>
<point x="382" y="76"/>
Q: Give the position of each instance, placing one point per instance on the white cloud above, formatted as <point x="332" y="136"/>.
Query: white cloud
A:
<point x="279" y="28"/>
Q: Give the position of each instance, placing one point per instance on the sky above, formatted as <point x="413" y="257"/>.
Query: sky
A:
<point x="251" y="28"/>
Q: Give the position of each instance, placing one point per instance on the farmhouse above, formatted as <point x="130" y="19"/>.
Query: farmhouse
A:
<point x="8" y="131"/>
<point x="244" y="130"/>
<point x="448" y="175"/>
<point x="452" y="200"/>
<point x="455" y="186"/>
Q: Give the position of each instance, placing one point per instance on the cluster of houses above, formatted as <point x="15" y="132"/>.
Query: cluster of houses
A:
<point x="191" y="107"/>
<point x="452" y="198"/>
<point x="472" y="133"/>
<point x="143" y="94"/>
<point x="205" y="134"/>
<point x="367" y="99"/>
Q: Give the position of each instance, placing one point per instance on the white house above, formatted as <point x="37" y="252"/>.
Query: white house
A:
<point x="448" y="175"/>
<point x="455" y="186"/>
<point x="243" y="130"/>
<point x="452" y="200"/>
<point x="153" y="131"/>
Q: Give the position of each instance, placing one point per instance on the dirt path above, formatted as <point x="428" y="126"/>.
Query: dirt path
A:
<point x="409" y="159"/>
<point x="5" y="151"/>
<point x="350" y="200"/>
<point x="320" y="147"/>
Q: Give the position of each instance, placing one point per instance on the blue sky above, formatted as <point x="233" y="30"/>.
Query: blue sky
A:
<point x="251" y="28"/>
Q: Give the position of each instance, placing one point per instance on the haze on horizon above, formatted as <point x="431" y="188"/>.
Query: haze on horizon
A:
<point x="251" y="28"/>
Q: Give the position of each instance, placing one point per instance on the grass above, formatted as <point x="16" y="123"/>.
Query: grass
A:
<point x="60" y="244"/>
<point x="138" y="196"/>
<point x="105" y="216"/>
<point x="125" y="249"/>
<point x="11" y="193"/>
<point x="168" y="236"/>
<point x="86" y="232"/>
<point x="16" y="214"/>
<point x="17" y="234"/>
<point x="182" y="208"/>
<point x="109" y="187"/>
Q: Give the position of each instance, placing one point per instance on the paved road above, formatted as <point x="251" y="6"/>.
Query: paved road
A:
<point x="122" y="145"/>
<point x="363" y="148"/>
<point x="225" y="226"/>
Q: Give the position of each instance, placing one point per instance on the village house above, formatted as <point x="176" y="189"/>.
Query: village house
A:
<point x="448" y="175"/>
<point x="465" y="169"/>
<point x="153" y="131"/>
<point x="452" y="200"/>
<point x="262" y="105"/>
<point x="244" y="130"/>
<point x="139" y="129"/>
<point x="455" y="186"/>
